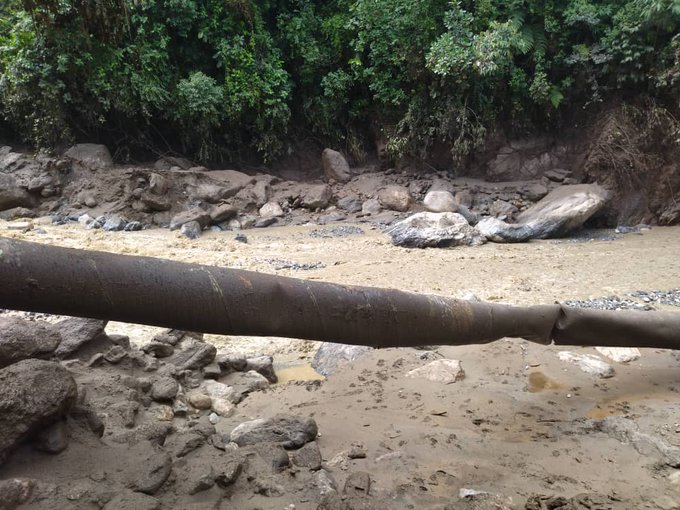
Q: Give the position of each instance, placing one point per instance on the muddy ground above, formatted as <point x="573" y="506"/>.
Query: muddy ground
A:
<point x="521" y="422"/>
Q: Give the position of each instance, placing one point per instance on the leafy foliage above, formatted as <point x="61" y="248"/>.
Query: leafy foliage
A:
<point x="219" y="78"/>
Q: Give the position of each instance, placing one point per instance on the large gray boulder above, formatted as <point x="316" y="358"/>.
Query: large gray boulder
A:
<point x="395" y="198"/>
<point x="317" y="196"/>
<point x="564" y="209"/>
<point x="35" y="393"/>
<point x="440" y="201"/>
<point x="21" y="339"/>
<point x="335" y="166"/>
<point x="426" y="229"/>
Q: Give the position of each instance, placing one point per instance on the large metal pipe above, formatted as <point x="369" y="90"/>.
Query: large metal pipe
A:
<point x="41" y="278"/>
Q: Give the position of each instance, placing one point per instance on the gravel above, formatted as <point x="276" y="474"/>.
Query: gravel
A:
<point x="609" y="303"/>
<point x="667" y="297"/>
<point x="339" y="231"/>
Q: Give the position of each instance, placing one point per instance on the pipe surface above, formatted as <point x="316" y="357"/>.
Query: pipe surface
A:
<point x="42" y="278"/>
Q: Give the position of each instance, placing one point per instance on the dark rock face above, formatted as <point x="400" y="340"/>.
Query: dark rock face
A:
<point x="77" y="332"/>
<point x="34" y="394"/>
<point x="21" y="339"/>
<point x="289" y="431"/>
<point x="427" y="229"/>
<point x="331" y="356"/>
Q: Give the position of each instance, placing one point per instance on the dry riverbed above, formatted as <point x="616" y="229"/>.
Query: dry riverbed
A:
<point x="522" y="422"/>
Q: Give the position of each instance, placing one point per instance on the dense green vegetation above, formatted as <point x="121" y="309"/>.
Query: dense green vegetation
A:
<point x="217" y="79"/>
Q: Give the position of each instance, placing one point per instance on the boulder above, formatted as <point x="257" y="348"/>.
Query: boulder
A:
<point x="335" y="166"/>
<point x="564" y="209"/>
<point x="158" y="185"/>
<point x="261" y="193"/>
<point x="271" y="210"/>
<point x="371" y="206"/>
<point x="35" y="394"/>
<point x="195" y="355"/>
<point x="231" y="181"/>
<point x="440" y="201"/>
<point x="317" y="197"/>
<point x="588" y="363"/>
<point x="155" y="202"/>
<point x="195" y="214"/>
<point x="331" y="356"/>
<point x="428" y="229"/>
<point x="76" y="332"/>
<point x="114" y="224"/>
<point x="22" y="339"/>
<point x="11" y="195"/>
<point x="90" y="155"/>
<point x="223" y="212"/>
<point x="191" y="229"/>
<point x="395" y="198"/>
<point x="350" y="204"/>
<point x="164" y="389"/>
<point x="535" y="191"/>
<point x="290" y="432"/>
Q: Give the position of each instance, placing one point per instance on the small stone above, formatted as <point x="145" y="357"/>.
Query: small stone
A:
<point x="164" y="389"/>
<point x="212" y="371"/>
<point x="308" y="456"/>
<point x="164" y="413"/>
<point x="179" y="407"/>
<point x="114" y="224"/>
<point x="134" y="226"/>
<point x="194" y="357"/>
<point x="191" y="229"/>
<point x="115" y="354"/>
<point x="200" y="400"/>
<point x="289" y="431"/>
<point x="263" y="365"/>
<point x="358" y="482"/>
<point x="371" y="207"/>
<point x="620" y="354"/>
<point x="122" y="340"/>
<point x="203" y="483"/>
<point x="356" y="452"/>
<point x="223" y="407"/>
<point x="271" y="210"/>
<point x="189" y="443"/>
<point x="52" y="439"/>
<point x="444" y="371"/>
<point x="588" y="363"/>
<point x="241" y="238"/>
<point x="230" y="472"/>
<point x="159" y="349"/>
<point x="395" y="198"/>
<point x="440" y="201"/>
<point x="280" y="459"/>
<point x="265" y="222"/>
<point x="317" y="197"/>
<point x="350" y="204"/>
<point x="214" y="418"/>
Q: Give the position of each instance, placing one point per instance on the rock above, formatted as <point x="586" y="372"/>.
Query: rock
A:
<point x="535" y="191"/>
<point x="155" y="202"/>
<point x="620" y="354"/>
<point x="371" y="206"/>
<point x="194" y="357"/>
<point x="502" y="209"/>
<point x="324" y="482"/>
<point x="231" y="181"/>
<point x="445" y="371"/>
<point x="261" y="193"/>
<point x="279" y="458"/>
<point x="317" y="197"/>
<point x="271" y="210"/>
<point x="211" y="193"/>
<point x="189" y="443"/>
<point x="356" y="452"/>
<point x="265" y="222"/>
<point x="203" y="482"/>
<point x="428" y="229"/>
<point x="557" y="174"/>
<point x="215" y="418"/>
<point x="168" y="162"/>
<point x="23" y="226"/>
<point x="263" y="365"/>
<point x="90" y="155"/>
<point x="395" y="198"/>
<point x="562" y="210"/>
<point x="22" y="339"/>
<point x="308" y="456"/>
<point x="335" y="166"/>
<point x="440" y="201"/>
<point x="229" y="473"/>
<point x="212" y="371"/>
<point x="133" y="226"/>
<point x="158" y="185"/>
<point x="11" y="195"/>
<point x="200" y="400"/>
<point x="76" y="332"/>
<point x="588" y="363"/>
<point x="358" y="481"/>
<point x="191" y="229"/>
<point x="350" y="204"/>
<point x="114" y="224"/>
<point x="129" y="500"/>
<point x="218" y="390"/>
<point x="246" y="382"/>
<point x="222" y="212"/>
<point x="158" y="349"/>
<point x="15" y="492"/>
<point x="289" y="431"/>
<point x="195" y="214"/>
<point x="150" y="469"/>
<point x="164" y="389"/>
<point x="331" y="356"/>
<point x="115" y="354"/>
<point x="52" y="439"/>
<point x="34" y="394"/>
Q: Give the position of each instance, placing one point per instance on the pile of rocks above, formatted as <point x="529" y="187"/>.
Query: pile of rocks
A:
<point x="151" y="421"/>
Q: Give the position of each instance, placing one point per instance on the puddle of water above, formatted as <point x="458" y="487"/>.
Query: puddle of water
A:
<point x="621" y="405"/>
<point x="298" y="373"/>
<point x="538" y="381"/>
